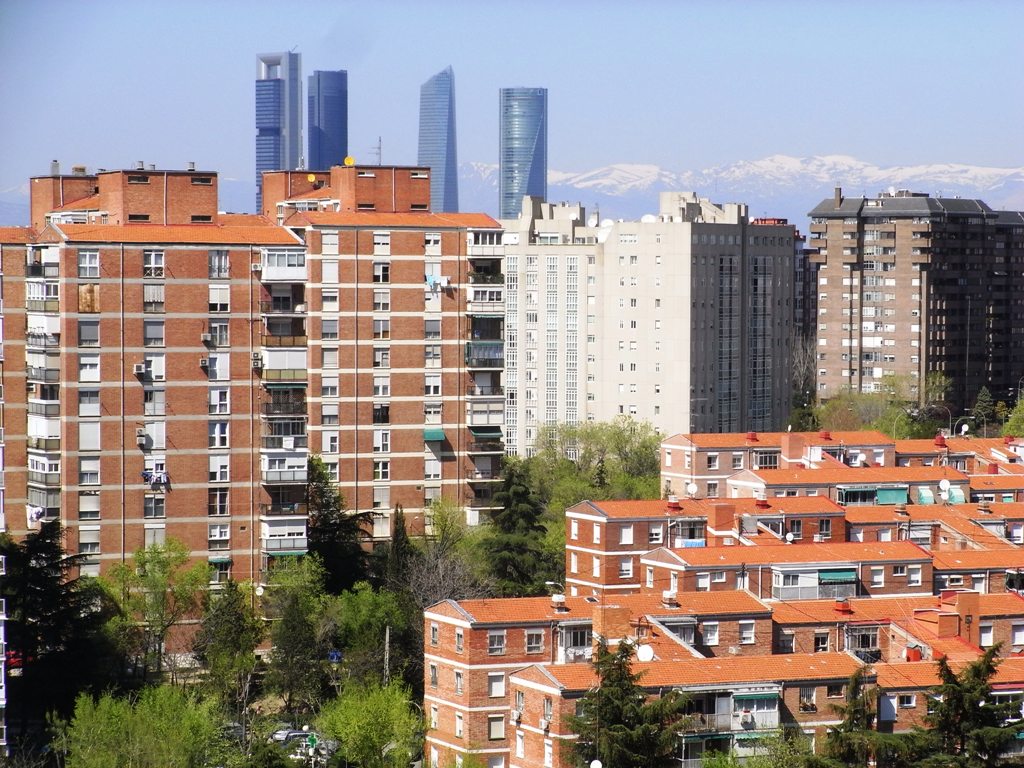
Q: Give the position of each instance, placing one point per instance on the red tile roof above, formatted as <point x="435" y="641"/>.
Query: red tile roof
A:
<point x="840" y="474"/>
<point x="983" y="483"/>
<point x="898" y="609"/>
<point x="259" y="232"/>
<point x="413" y="219"/>
<point x="774" y="439"/>
<point x="91" y="203"/>
<point x="921" y="675"/>
<point x="786" y="554"/>
<point x="16" y="235"/>
<point x="970" y="559"/>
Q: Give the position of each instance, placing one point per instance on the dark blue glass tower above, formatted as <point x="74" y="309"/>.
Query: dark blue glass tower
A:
<point x="437" y="140"/>
<point x="327" y="96"/>
<point x="523" y="148"/>
<point x="278" y="115"/>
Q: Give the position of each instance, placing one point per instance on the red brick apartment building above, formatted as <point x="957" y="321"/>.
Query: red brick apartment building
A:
<point x="168" y="369"/>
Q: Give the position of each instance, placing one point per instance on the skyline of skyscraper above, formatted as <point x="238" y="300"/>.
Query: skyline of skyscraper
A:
<point x="437" y="145"/>
<point x="327" y="114"/>
<point x="522" y="148"/>
<point x="278" y="114"/>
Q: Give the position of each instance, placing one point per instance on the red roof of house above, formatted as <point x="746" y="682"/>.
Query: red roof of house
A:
<point x="415" y="219"/>
<point x="921" y="675"/>
<point x="16" y="235"/>
<point x="258" y="232"/>
<point x="1009" y="557"/>
<point x="792" y="554"/>
<point x="840" y="474"/>
<point x="774" y="439"/>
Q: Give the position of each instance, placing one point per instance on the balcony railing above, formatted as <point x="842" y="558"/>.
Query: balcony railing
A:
<point x="42" y="305"/>
<point x="284" y="476"/>
<point x="269" y="340"/>
<point x="282" y="308"/>
<point x="486" y="446"/>
<point x="43" y="443"/>
<point x="36" y="373"/>
<point x="484" y="474"/>
<point x="815" y="592"/>
<point x="485" y="250"/>
<point x="486" y="278"/>
<point x="285" y="544"/>
<point x="45" y="340"/>
<point x="288" y="508"/>
<point x="42" y="270"/>
<point x="294" y="408"/>
<point x="284" y="374"/>
<point x="486" y="307"/>
<point x="44" y="409"/>
<point x="50" y="479"/>
<point x="700" y="722"/>
<point x="475" y="391"/>
<point x="285" y="442"/>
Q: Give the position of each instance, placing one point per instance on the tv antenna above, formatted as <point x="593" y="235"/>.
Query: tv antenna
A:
<point x="378" y="150"/>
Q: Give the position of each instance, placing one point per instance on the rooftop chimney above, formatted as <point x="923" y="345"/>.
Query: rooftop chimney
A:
<point x="940" y="440"/>
<point x="984" y="508"/>
<point x="993" y="468"/>
<point x="751" y="437"/>
<point x="673" y="502"/>
<point x="54" y="168"/>
<point x="152" y="166"/>
<point x="668" y="598"/>
<point x="843" y="606"/>
<point x="191" y="166"/>
<point x="140" y="165"/>
<point x="838" y="197"/>
<point x="558" y="604"/>
<point x="825" y="434"/>
<point x="78" y="170"/>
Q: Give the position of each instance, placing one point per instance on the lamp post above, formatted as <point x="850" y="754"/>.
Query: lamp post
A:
<point x="898" y="415"/>
<point x="962" y="418"/>
<point x="950" y="422"/>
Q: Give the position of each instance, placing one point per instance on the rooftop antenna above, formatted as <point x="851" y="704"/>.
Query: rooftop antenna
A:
<point x="378" y="150"/>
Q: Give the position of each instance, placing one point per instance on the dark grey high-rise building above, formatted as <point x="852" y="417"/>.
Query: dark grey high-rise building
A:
<point x="523" y="148"/>
<point x="327" y="96"/>
<point x="278" y="115"/>
<point x="437" y="140"/>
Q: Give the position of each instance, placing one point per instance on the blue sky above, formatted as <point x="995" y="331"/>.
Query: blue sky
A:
<point x="684" y="85"/>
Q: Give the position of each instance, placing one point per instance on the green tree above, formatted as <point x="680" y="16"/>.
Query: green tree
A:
<point x="375" y="725"/>
<point x="984" y="407"/>
<point x="1002" y="411"/>
<point x="54" y="628"/>
<point x="854" y="741"/>
<point x="1014" y="426"/>
<point x="514" y="541"/>
<point x="226" y="647"/>
<point x="362" y="618"/>
<point x="335" y="535"/>
<point x="968" y="728"/>
<point x="618" y="723"/>
<point x="164" y="728"/>
<point x="157" y="591"/>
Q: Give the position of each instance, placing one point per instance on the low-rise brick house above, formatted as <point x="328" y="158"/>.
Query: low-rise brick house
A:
<point x="733" y="702"/>
<point x="983" y="570"/>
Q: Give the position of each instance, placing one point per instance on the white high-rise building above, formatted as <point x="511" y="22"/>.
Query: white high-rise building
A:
<point x="683" y="319"/>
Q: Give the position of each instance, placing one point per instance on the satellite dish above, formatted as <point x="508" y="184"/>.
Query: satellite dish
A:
<point x="259" y="591"/>
<point x="648" y="218"/>
<point x="691" y="489"/>
<point x="596" y="764"/>
<point x="789" y="537"/>
<point x="964" y="428"/>
<point x="944" y="484"/>
<point x="311" y="178"/>
<point x="349" y="160"/>
<point x="645" y="653"/>
<point x="592" y="220"/>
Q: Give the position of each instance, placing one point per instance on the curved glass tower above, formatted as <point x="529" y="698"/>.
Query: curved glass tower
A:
<point x="523" y="148"/>
<point x="328" y="119"/>
<point x="437" y="140"/>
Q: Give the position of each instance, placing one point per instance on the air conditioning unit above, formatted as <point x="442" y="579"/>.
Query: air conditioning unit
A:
<point x="818" y="538"/>
<point x="257" y="360"/>
<point x="139" y="369"/>
<point x="256" y="266"/>
<point x="140" y="432"/>
<point x="544" y="724"/>
<point x="141" y="441"/>
<point x="204" y="362"/>
<point x="516" y="715"/>
<point x="206" y="338"/>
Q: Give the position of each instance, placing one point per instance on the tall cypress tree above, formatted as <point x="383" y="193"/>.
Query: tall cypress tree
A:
<point x="335" y="535"/>
<point x="515" y="542"/>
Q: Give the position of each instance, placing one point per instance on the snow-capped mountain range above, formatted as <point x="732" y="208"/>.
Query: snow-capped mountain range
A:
<point x="778" y="185"/>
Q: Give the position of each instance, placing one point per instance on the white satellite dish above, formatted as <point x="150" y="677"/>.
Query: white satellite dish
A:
<point x="963" y="428"/>
<point x="789" y="537"/>
<point x="645" y="653"/>
<point x="259" y="591"/>
<point x="691" y="489"/>
<point x="596" y="764"/>
<point x="944" y="484"/>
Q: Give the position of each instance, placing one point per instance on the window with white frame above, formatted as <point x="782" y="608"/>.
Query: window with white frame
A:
<point x="625" y="534"/>
<point x="496" y="642"/>
<point x="152" y="263"/>
<point x="495" y="727"/>
<point x="382" y="300"/>
<point x="381" y="470"/>
<point x="219" y="468"/>
<point x="709" y="631"/>
<point x="746" y="632"/>
<point x="220" y="298"/>
<point x="88" y="367"/>
<point x="495" y="684"/>
<point x="88" y="264"/>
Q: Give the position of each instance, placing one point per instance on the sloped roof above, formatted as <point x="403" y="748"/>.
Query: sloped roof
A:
<point x="258" y="232"/>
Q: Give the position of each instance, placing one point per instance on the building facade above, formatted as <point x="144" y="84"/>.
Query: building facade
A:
<point x="327" y="114"/>
<point x="912" y="286"/>
<point x="689" y="311"/>
<point x="522" y="147"/>
<point x="278" y="114"/>
<point x="437" y="146"/>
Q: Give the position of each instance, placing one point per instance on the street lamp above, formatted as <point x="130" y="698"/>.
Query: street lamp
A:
<point x="963" y="419"/>
<point x="940" y="405"/>
<point x="555" y="584"/>
<point x="901" y="413"/>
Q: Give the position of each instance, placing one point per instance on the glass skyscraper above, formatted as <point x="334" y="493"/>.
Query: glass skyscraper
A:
<point x="278" y="115"/>
<point x="327" y="96"/>
<point x="523" y="148"/>
<point x="437" y="140"/>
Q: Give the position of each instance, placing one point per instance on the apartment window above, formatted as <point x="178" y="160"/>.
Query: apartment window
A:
<point x="806" y="698"/>
<point x="217" y="433"/>
<point x="787" y="642"/>
<point x="381" y="386"/>
<point x="737" y="461"/>
<point x="914" y="575"/>
<point x="154" y="506"/>
<point x="153" y="333"/>
<point x="1017" y="634"/>
<point x="535" y="640"/>
<point x="432" y="329"/>
<point x="596" y="563"/>
<point x="381" y="272"/>
<point x="88" y="367"/>
<point x="218" y="536"/>
<point x="710" y="632"/>
<point x="746" y="632"/>
<point x="152" y="263"/>
<point x="495" y="684"/>
<point x="88" y="402"/>
<point x="986" y="637"/>
<point x="330" y="442"/>
<point x="906" y="701"/>
<point x="520" y="744"/>
<point x="88" y="333"/>
<point x="496" y="642"/>
<point x="821" y="642"/>
<point x="218" y="469"/>
<point x="712" y="489"/>
<point x="381" y="413"/>
<point x="825" y="528"/>
<point x="597" y="533"/>
<point x="625" y="567"/>
<point x="89" y="264"/>
<point x="458" y="725"/>
<point x="329" y="299"/>
<point x="217" y="502"/>
<point x="89" y="541"/>
<point x="431" y="469"/>
<point x="432" y="384"/>
<point x="433" y="677"/>
<point x="712" y="461"/>
<point x="381" y="470"/>
<point x="656" y="533"/>
<point x="459" y="637"/>
<point x="432" y="356"/>
<point x="382" y="242"/>
<point x="878" y="576"/>
<point x="626" y="534"/>
<point x="381" y="357"/>
<point x="381" y="329"/>
<point x="382" y="300"/>
<point x="495" y="727"/>
<point x="329" y="414"/>
<point x="329" y="329"/>
<point x="218" y="400"/>
<point x="382" y="441"/>
<point x="329" y="386"/>
<point x="89" y="470"/>
<point x="218" y="263"/>
<point x="218" y="330"/>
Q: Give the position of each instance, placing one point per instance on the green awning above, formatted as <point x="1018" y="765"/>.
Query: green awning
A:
<point x="838" y="576"/>
<point x="748" y="736"/>
<point x="286" y="553"/>
<point x="431" y="434"/>
<point x="891" y="495"/>
<point x="750" y="696"/>
<point x="218" y="559"/>
<point x="487" y="430"/>
<point x="286" y="384"/>
<point x="956" y="496"/>
<point x="925" y="496"/>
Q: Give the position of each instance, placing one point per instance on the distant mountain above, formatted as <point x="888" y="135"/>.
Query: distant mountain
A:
<point x="778" y="185"/>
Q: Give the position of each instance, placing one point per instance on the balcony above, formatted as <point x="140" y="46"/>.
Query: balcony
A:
<point x="44" y="409"/>
<point x="815" y="592"/>
<point x="43" y="443"/>
<point x="36" y="373"/>
<point x="285" y="408"/>
<point x="49" y="479"/>
<point x="269" y="340"/>
<point x="42" y="270"/>
<point x="284" y="509"/>
<point x="483" y="475"/>
<point x="485" y="251"/>
<point x="485" y="354"/>
<point x="284" y="374"/>
<point x="43" y="340"/>
<point x="488" y="306"/>
<point x="284" y="476"/>
<point x="282" y="308"/>
<point x="486" y="446"/>
<point x="42" y="305"/>
<point x="284" y="442"/>
<point x="486" y="278"/>
<point x="700" y="722"/>
<point x="478" y="391"/>
<point x="282" y="544"/>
